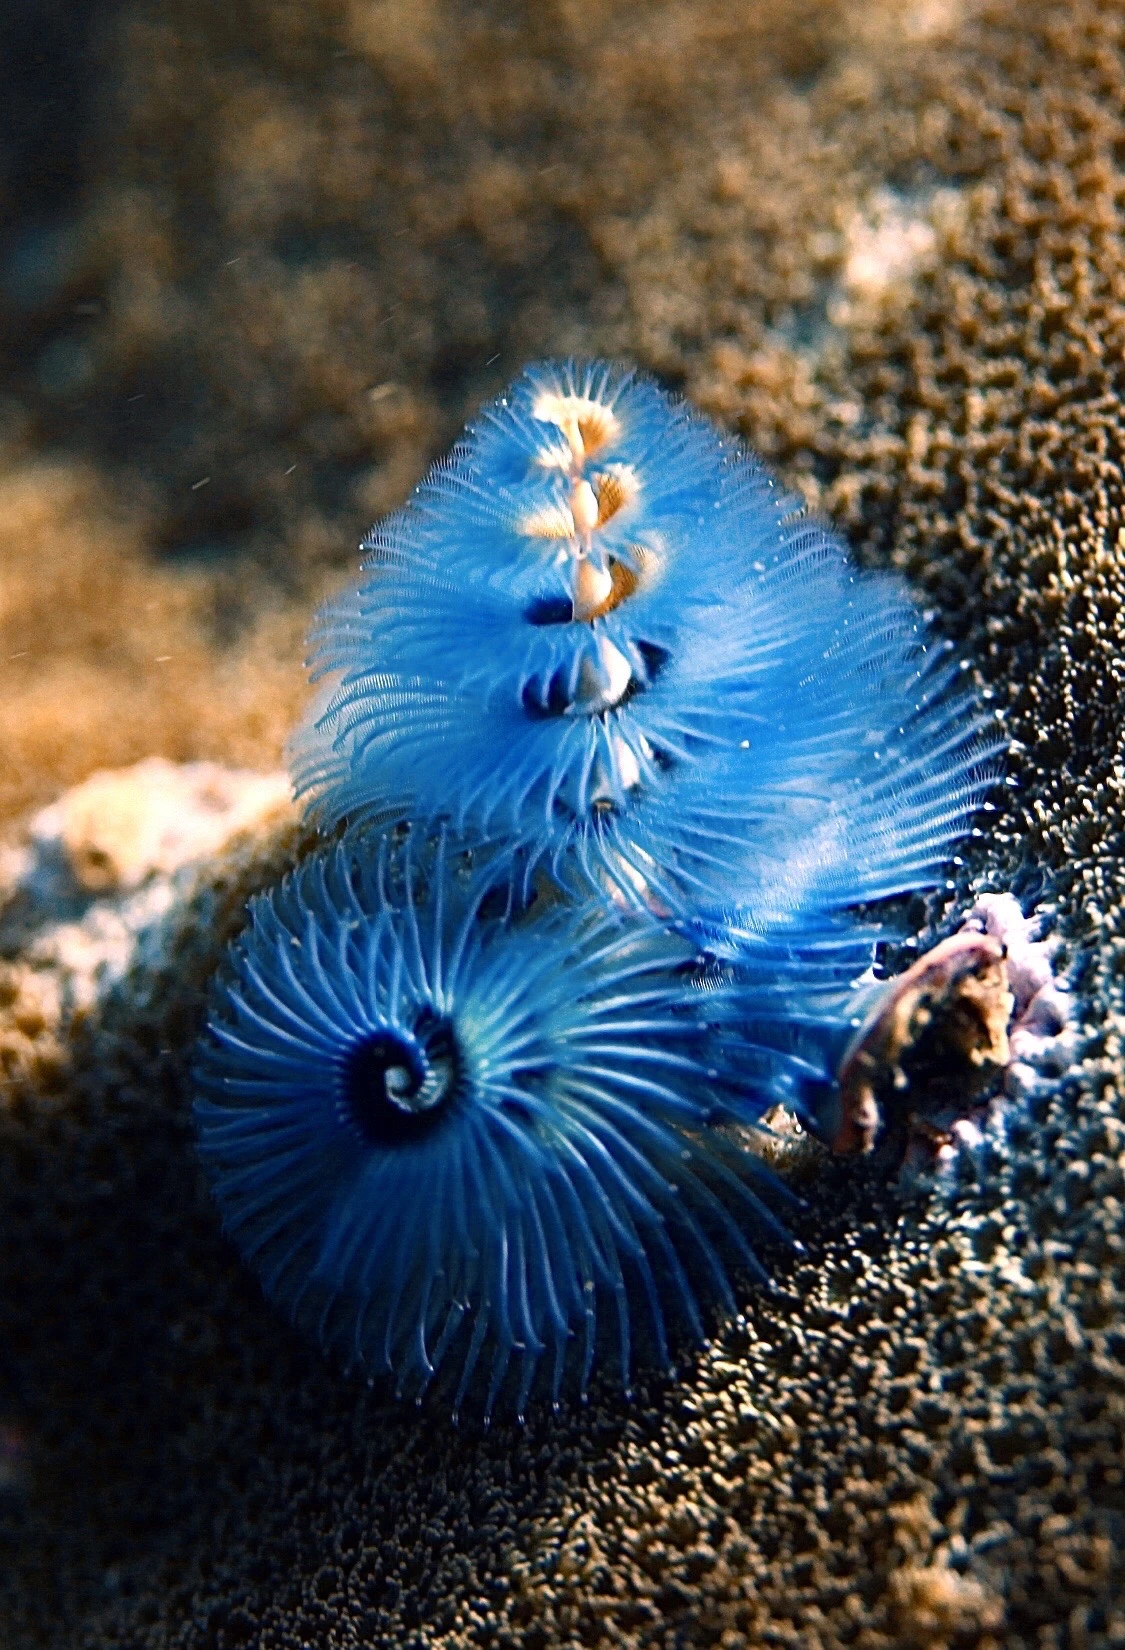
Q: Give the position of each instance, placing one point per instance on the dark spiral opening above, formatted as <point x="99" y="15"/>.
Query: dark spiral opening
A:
<point x="396" y="1088"/>
<point x="556" y="701"/>
<point x="655" y="658"/>
<point x="543" y="610"/>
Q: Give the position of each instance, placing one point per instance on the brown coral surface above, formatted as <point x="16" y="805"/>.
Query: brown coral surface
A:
<point x="886" y="242"/>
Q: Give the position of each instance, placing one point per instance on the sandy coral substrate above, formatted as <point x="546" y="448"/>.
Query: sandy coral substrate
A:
<point x="886" y="243"/>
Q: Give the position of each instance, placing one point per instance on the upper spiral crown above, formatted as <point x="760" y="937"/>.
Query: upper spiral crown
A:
<point x="601" y="631"/>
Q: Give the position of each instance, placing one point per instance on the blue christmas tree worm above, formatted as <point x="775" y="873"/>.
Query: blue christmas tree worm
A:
<point x="455" y="1128"/>
<point x="448" y="1130"/>
<point x="600" y="631"/>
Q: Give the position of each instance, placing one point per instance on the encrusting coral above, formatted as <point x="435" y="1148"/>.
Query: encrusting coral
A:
<point x="918" y="1441"/>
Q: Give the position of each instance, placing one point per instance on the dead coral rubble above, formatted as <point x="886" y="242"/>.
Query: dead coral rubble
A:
<point x="88" y="890"/>
<point x="980" y="1014"/>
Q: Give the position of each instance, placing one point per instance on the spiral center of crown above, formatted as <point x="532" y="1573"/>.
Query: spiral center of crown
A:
<point x="396" y="1086"/>
<point x="596" y="492"/>
<point x="586" y="517"/>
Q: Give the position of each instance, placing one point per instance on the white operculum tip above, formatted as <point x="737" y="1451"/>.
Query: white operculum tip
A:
<point x="612" y="779"/>
<point x="584" y="507"/>
<point x="603" y="678"/>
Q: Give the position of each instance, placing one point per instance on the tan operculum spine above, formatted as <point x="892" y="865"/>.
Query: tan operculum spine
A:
<point x="598" y="582"/>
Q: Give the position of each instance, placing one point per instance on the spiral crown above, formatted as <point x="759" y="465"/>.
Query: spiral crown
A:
<point x="445" y="1135"/>
<point x="600" y="631"/>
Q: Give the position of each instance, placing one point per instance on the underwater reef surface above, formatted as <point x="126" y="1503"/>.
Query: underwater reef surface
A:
<point x="884" y="242"/>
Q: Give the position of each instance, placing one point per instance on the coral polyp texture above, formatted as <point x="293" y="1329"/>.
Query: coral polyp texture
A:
<point x="451" y="1132"/>
<point x="600" y="630"/>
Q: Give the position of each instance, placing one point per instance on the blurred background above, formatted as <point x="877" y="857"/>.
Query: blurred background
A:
<point x="259" y="262"/>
